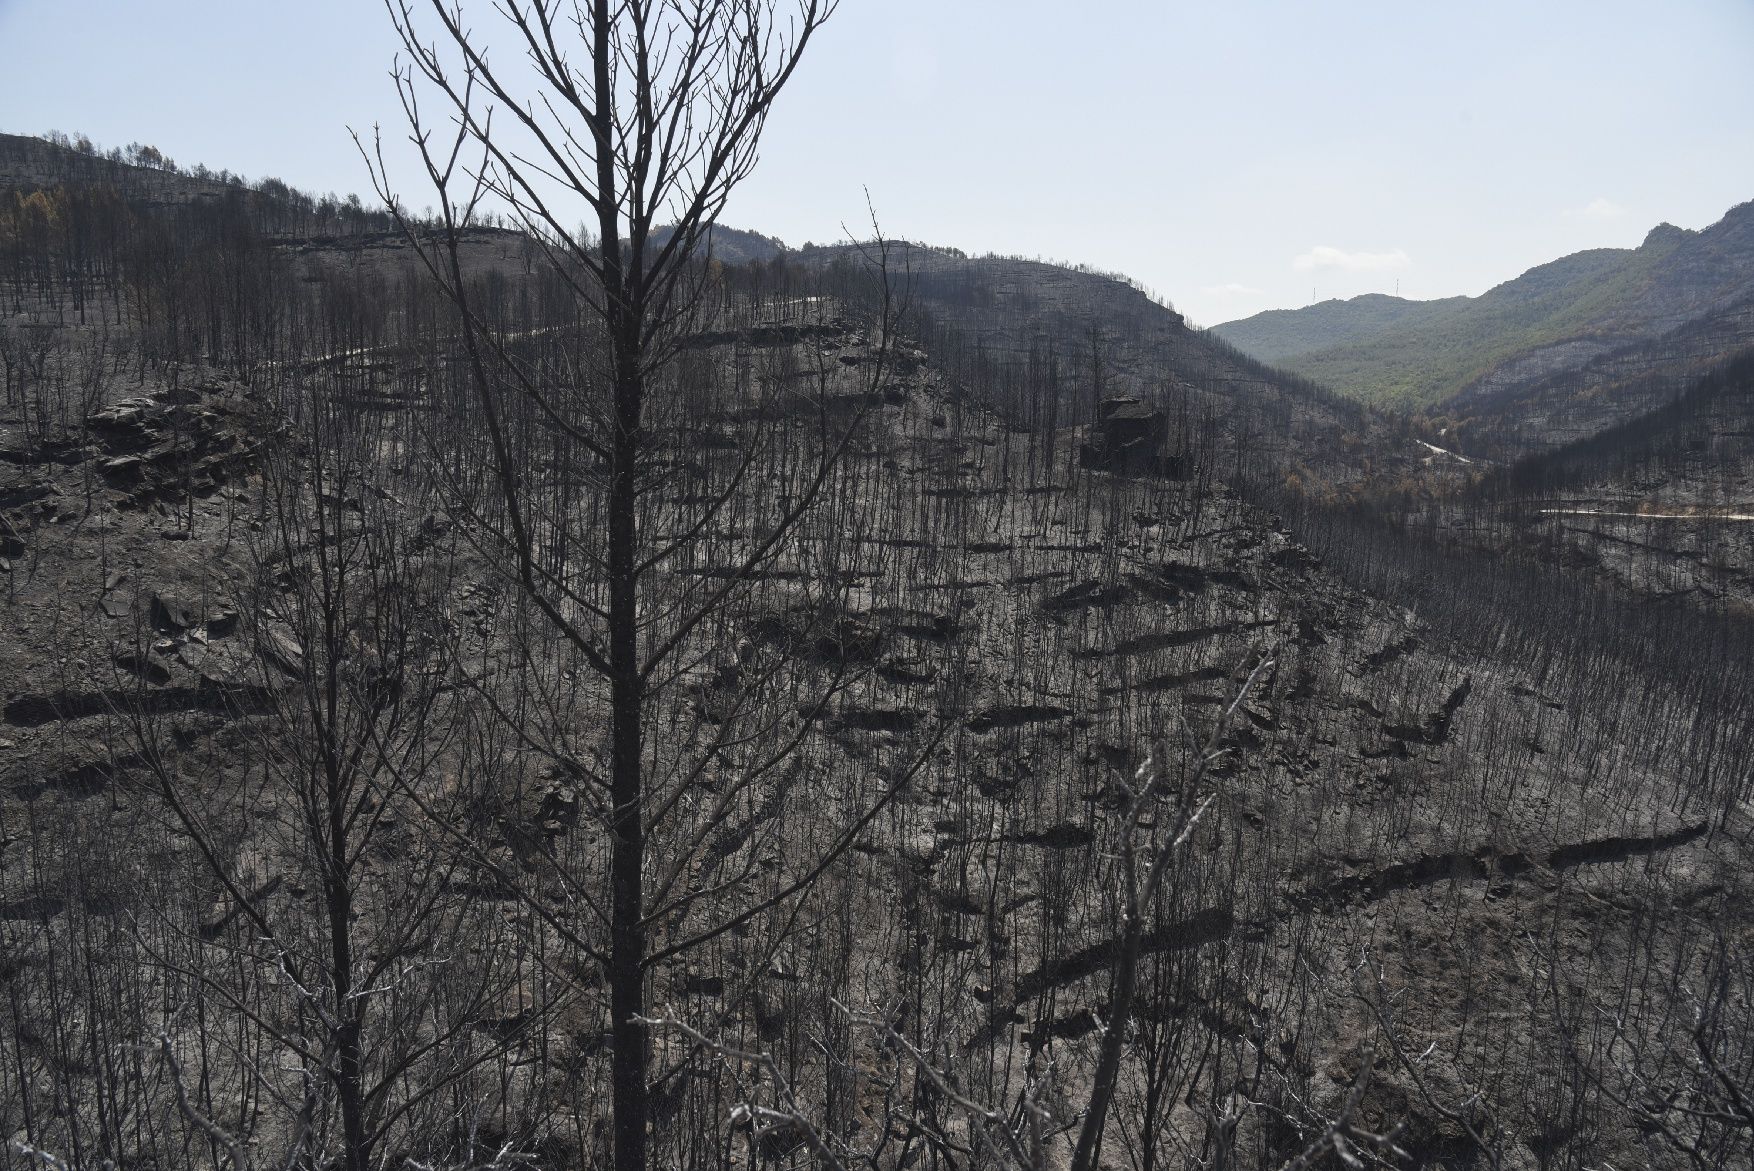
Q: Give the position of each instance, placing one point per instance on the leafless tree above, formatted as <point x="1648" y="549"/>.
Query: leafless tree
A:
<point x="634" y="116"/>
<point x="304" y="820"/>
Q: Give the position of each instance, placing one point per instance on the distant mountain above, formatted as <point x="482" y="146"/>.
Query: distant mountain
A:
<point x="1279" y="334"/>
<point x="1552" y="318"/>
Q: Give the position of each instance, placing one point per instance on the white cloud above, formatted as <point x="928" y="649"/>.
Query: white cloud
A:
<point x="1322" y="256"/>
<point x="1232" y="289"/>
<point x="1599" y="210"/>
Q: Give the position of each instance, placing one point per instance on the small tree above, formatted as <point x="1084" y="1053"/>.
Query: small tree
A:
<point x="334" y="901"/>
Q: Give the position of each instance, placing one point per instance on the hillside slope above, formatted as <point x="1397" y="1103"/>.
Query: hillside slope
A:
<point x="1044" y="344"/>
<point x="1612" y="389"/>
<point x="1661" y="504"/>
<point x="27" y="162"/>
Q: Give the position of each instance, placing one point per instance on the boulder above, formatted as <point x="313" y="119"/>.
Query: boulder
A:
<point x="172" y="612"/>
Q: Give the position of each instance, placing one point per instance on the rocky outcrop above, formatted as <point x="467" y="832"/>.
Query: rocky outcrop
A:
<point x="1131" y="436"/>
<point x="174" y="443"/>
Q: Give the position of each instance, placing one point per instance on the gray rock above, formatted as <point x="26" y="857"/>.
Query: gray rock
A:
<point x="172" y="611"/>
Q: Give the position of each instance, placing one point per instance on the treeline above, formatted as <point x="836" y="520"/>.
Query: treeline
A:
<point x="99" y="277"/>
<point x="185" y="282"/>
<point x="141" y="174"/>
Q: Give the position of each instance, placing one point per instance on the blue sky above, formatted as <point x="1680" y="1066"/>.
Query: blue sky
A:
<point x="1233" y="156"/>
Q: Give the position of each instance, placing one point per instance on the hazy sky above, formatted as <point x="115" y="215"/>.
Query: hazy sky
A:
<point x="1234" y="155"/>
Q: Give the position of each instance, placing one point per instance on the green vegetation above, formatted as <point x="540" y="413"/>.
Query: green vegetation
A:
<point x="1424" y="362"/>
<point x="1281" y="334"/>
<point x="1417" y="354"/>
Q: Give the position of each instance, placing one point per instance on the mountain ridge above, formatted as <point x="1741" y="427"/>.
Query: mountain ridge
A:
<point x="1553" y="316"/>
<point x="1277" y="334"/>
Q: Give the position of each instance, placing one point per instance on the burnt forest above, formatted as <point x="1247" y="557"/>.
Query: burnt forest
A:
<point x="486" y="692"/>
